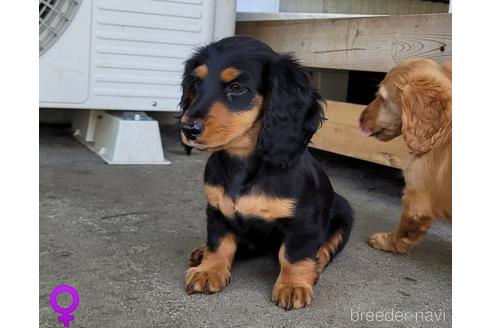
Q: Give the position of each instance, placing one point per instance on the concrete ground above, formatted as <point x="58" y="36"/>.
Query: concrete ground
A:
<point x="122" y="235"/>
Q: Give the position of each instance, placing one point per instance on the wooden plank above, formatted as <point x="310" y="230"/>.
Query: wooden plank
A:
<point x="397" y="7"/>
<point x="365" y="43"/>
<point x="340" y="134"/>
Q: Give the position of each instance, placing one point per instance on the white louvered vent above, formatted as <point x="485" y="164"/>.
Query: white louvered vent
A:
<point x="54" y="18"/>
<point x="123" y="54"/>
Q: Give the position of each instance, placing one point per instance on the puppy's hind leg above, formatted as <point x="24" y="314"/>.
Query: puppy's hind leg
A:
<point x="327" y="251"/>
<point x="341" y="220"/>
<point x="196" y="256"/>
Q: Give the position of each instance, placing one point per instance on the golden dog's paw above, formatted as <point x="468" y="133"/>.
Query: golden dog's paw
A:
<point x="385" y="242"/>
<point x="382" y="241"/>
<point x="196" y="256"/>
<point x="289" y="296"/>
<point x="206" y="280"/>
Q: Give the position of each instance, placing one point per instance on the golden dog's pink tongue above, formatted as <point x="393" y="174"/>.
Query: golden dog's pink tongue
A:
<point x="365" y="131"/>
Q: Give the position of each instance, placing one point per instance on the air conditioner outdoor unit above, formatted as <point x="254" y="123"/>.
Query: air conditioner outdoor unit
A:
<point x="122" y="55"/>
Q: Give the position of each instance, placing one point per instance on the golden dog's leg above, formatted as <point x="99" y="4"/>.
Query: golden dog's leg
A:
<point x="416" y="219"/>
<point x="294" y="285"/>
<point x="209" y="270"/>
<point x="410" y="230"/>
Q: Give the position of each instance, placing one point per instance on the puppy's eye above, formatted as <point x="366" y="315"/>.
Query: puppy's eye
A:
<point x="236" y="89"/>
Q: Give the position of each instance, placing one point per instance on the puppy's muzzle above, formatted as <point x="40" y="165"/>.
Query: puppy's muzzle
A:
<point x="192" y="130"/>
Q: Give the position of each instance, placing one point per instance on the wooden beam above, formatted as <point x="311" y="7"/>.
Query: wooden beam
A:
<point x="365" y="43"/>
<point x="392" y="7"/>
<point x="340" y="134"/>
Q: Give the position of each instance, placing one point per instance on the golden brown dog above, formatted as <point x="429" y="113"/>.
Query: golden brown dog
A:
<point x="414" y="100"/>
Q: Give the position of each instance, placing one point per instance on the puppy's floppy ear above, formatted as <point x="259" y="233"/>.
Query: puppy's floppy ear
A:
<point x="426" y="111"/>
<point x="292" y="111"/>
<point x="188" y="91"/>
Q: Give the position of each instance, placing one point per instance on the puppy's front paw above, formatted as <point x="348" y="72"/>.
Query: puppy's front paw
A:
<point x="385" y="241"/>
<point x="206" y="280"/>
<point x="292" y="296"/>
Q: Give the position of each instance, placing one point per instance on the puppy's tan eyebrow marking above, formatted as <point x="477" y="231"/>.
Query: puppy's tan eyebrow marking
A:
<point x="201" y="71"/>
<point x="229" y="74"/>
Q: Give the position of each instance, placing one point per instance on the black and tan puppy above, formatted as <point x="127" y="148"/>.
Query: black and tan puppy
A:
<point x="256" y="111"/>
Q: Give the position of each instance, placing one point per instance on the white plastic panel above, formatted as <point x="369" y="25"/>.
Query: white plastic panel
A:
<point x="137" y="50"/>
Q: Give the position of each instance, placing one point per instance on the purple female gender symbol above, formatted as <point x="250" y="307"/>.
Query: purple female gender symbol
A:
<point x="65" y="317"/>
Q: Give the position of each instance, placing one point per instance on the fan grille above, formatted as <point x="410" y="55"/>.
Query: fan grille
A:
<point x="54" y="18"/>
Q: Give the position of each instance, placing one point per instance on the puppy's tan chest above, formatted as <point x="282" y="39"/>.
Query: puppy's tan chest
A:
<point x="252" y="205"/>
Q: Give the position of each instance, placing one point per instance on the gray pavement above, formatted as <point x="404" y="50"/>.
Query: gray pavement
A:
<point x="122" y="235"/>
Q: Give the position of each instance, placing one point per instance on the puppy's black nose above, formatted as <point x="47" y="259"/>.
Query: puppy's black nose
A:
<point x="191" y="130"/>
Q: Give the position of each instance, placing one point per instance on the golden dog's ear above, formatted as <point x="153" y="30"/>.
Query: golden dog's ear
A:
<point x="426" y="111"/>
<point x="447" y="70"/>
